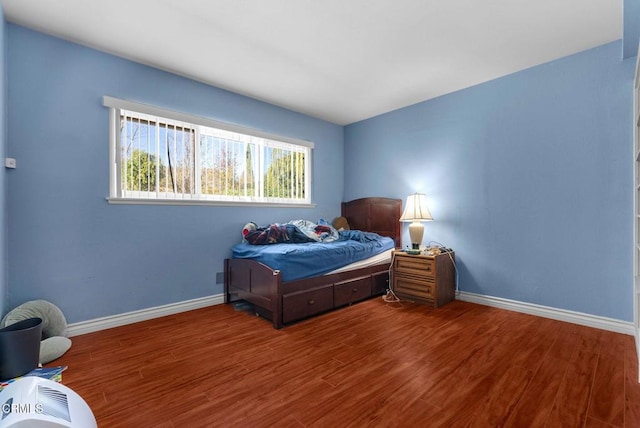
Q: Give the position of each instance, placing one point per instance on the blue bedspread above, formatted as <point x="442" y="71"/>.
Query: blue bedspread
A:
<point x="305" y="260"/>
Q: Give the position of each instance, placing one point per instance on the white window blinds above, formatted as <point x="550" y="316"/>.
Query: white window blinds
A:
<point x="165" y="157"/>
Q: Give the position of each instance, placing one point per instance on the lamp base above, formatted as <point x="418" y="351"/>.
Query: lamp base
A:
<point x="416" y="231"/>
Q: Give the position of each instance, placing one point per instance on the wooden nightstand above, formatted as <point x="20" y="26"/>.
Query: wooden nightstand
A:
<point x="424" y="279"/>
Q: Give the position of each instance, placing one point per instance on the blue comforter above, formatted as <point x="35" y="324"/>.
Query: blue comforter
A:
<point x="305" y="260"/>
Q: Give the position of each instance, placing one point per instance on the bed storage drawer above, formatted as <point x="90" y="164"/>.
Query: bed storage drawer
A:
<point x="303" y="304"/>
<point x="351" y="291"/>
<point x="379" y="283"/>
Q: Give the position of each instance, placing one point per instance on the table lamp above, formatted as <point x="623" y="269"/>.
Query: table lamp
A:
<point x="416" y="211"/>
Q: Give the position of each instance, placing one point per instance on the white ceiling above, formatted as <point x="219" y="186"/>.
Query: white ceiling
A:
<point x="338" y="60"/>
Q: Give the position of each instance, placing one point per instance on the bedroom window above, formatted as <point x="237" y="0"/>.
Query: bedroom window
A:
<point x="160" y="156"/>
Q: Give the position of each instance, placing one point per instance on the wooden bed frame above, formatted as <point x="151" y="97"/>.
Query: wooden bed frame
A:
<point x="287" y="302"/>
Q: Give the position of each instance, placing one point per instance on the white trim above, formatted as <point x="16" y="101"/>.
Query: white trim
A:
<point x="636" y="210"/>
<point x="636" y="77"/>
<point x="133" y="201"/>
<point x="97" y="324"/>
<point x="117" y="103"/>
<point x="603" y="323"/>
<point x="580" y="318"/>
<point x="113" y="162"/>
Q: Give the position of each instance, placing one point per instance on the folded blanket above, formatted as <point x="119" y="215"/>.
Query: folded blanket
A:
<point x="322" y="232"/>
<point x="293" y="232"/>
<point x="358" y="235"/>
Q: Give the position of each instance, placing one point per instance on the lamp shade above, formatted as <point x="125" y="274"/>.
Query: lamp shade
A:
<point x="416" y="209"/>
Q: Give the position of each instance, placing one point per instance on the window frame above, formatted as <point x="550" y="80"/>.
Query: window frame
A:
<point x="115" y="105"/>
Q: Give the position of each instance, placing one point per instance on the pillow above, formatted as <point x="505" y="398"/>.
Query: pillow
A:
<point x="53" y="348"/>
<point x="341" y="223"/>
<point x="53" y="321"/>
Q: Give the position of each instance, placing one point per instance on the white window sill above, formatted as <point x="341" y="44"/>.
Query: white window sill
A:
<point x="133" y="201"/>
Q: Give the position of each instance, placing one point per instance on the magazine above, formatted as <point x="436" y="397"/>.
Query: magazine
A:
<point x="51" y="373"/>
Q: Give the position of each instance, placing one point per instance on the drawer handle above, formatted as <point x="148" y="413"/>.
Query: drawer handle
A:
<point x="311" y="302"/>
<point x="355" y="290"/>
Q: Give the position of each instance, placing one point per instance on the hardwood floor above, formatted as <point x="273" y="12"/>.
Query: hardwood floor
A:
<point x="371" y="364"/>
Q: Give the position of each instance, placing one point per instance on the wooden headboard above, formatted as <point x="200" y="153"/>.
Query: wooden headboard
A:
<point x="379" y="215"/>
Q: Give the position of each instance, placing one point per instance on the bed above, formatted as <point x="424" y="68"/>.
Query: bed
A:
<point x="284" y="302"/>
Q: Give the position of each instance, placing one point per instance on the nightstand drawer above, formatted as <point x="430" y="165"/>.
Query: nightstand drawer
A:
<point x="416" y="266"/>
<point x="418" y="287"/>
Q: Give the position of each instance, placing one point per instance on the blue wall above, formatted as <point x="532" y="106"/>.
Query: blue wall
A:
<point x="631" y="28"/>
<point x="67" y="244"/>
<point x="529" y="179"/>
<point x="4" y="284"/>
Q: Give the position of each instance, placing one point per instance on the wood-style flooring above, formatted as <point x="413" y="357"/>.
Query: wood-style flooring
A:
<point x="370" y="364"/>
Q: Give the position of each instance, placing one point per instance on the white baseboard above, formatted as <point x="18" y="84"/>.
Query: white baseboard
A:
<point x="97" y="324"/>
<point x="580" y="318"/>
